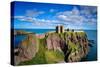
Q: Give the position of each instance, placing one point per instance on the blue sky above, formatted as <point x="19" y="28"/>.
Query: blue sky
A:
<point x="29" y="15"/>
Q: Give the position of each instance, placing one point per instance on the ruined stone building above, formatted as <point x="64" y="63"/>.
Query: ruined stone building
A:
<point x="60" y="29"/>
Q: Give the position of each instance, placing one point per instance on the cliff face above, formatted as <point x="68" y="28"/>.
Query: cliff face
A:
<point x="74" y="45"/>
<point x="53" y="42"/>
<point x="27" y="49"/>
<point x="53" y="48"/>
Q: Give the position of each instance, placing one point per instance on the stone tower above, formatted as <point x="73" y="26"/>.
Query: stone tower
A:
<point x="62" y="29"/>
<point x="59" y="29"/>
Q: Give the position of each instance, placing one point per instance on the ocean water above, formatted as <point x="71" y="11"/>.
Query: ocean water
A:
<point x="37" y="31"/>
<point x="92" y="55"/>
<point x="91" y="34"/>
<point x="18" y="39"/>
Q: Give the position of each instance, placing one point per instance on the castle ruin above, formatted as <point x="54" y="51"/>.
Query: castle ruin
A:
<point x="60" y="29"/>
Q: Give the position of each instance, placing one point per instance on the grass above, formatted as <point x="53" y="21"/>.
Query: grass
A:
<point x="54" y="56"/>
<point x="73" y="47"/>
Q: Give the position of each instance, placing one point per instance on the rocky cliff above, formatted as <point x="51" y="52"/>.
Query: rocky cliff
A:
<point x="53" y="48"/>
<point x="74" y="45"/>
<point x="27" y="49"/>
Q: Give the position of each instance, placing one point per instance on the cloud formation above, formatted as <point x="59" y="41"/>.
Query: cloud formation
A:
<point x="75" y="17"/>
<point x="33" y="13"/>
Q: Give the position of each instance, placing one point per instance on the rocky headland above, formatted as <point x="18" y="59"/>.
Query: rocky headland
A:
<point x="22" y="32"/>
<point x="69" y="46"/>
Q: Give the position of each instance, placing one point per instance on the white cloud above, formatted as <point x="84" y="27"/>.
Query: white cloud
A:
<point x="52" y="10"/>
<point x="75" y="16"/>
<point x="29" y="15"/>
<point x="63" y="18"/>
<point x="75" y="11"/>
<point x="33" y="13"/>
<point x="16" y="17"/>
<point x="36" y="21"/>
<point x="24" y="18"/>
<point x="89" y="11"/>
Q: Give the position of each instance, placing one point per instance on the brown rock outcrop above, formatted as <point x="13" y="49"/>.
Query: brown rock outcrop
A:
<point x="27" y="49"/>
<point x="54" y="42"/>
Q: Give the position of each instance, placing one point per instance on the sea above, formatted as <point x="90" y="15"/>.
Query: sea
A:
<point x="91" y="34"/>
